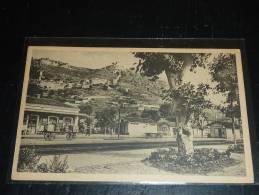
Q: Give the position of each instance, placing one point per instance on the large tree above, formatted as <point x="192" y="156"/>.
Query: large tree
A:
<point x="224" y="73"/>
<point x="166" y="111"/>
<point x="180" y="95"/>
<point x="190" y="109"/>
<point x="151" y="114"/>
<point x="106" y="119"/>
<point x="87" y="109"/>
<point x="35" y="69"/>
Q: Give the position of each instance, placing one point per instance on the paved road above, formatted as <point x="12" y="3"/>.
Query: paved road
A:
<point x="93" y="145"/>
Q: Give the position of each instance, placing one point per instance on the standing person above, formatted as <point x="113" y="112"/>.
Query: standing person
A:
<point x="66" y="128"/>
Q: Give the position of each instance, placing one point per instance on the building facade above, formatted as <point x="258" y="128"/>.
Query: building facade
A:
<point x="38" y="116"/>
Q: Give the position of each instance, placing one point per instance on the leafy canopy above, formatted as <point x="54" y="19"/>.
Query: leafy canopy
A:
<point x="86" y="108"/>
<point x="186" y="99"/>
<point x="152" y="64"/>
<point x="224" y="73"/>
<point x="193" y="101"/>
<point x="106" y="117"/>
<point x="151" y="114"/>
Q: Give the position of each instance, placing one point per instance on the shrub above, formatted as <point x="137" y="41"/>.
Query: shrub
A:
<point x="56" y="165"/>
<point x="202" y="161"/>
<point x="28" y="159"/>
<point x="236" y="148"/>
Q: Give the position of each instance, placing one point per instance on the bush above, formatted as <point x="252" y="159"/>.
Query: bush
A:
<point x="29" y="162"/>
<point x="236" y="148"/>
<point x="56" y="165"/>
<point x="202" y="161"/>
<point x="28" y="159"/>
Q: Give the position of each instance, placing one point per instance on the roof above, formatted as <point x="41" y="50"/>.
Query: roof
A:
<point x="226" y="123"/>
<point x="47" y="101"/>
<point x="139" y="120"/>
<point x="164" y="121"/>
<point x="215" y="115"/>
<point x="44" y="105"/>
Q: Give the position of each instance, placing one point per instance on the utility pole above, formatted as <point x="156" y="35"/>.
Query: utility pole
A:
<point x="119" y="122"/>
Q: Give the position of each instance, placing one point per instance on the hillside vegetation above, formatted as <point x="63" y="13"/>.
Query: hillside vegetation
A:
<point x="131" y="86"/>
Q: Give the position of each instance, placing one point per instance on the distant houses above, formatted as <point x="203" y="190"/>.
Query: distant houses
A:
<point x="41" y="111"/>
<point x="52" y="85"/>
<point x="57" y="84"/>
<point x="44" y="109"/>
<point x="98" y="81"/>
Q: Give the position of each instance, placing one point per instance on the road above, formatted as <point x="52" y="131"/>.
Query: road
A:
<point x="79" y="145"/>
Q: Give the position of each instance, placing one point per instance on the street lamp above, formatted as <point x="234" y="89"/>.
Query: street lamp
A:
<point x="119" y="128"/>
<point x="119" y="105"/>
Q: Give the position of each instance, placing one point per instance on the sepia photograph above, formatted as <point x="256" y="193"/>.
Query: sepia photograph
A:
<point x="142" y="115"/>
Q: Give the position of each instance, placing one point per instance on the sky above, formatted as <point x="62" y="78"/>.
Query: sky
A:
<point x="125" y="59"/>
<point x="88" y="59"/>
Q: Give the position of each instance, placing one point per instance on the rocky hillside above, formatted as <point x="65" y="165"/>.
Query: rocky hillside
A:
<point x="131" y="85"/>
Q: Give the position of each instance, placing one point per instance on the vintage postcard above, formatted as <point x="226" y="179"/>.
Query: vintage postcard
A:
<point x="142" y="115"/>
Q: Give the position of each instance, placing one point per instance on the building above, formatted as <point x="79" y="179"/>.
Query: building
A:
<point x="54" y="85"/>
<point x="151" y="107"/>
<point x="220" y="126"/>
<point x="131" y="107"/>
<point x="166" y="128"/>
<point x="138" y="127"/>
<point x="41" y="111"/>
<point x="86" y="84"/>
<point x="223" y="129"/>
<point x="69" y="85"/>
<point x="98" y="81"/>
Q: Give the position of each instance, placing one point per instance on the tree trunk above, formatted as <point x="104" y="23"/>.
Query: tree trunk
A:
<point x="170" y="79"/>
<point x="185" y="138"/>
<point x="184" y="134"/>
<point x="233" y="122"/>
<point x="233" y="130"/>
<point x="89" y="124"/>
<point x="119" y="128"/>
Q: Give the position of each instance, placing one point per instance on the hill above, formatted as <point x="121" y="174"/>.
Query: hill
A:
<point x="131" y="86"/>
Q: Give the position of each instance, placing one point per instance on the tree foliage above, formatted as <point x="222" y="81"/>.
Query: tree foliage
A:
<point x="193" y="100"/>
<point x="166" y="111"/>
<point x="106" y="118"/>
<point x="34" y="88"/>
<point x="152" y="64"/>
<point x="35" y="69"/>
<point x="151" y="114"/>
<point x="86" y="109"/>
<point x="185" y="97"/>
<point x="224" y="73"/>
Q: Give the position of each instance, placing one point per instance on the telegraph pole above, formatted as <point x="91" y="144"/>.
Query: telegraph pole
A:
<point x="119" y="122"/>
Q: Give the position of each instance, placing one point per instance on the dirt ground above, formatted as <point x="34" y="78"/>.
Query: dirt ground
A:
<point x="130" y="162"/>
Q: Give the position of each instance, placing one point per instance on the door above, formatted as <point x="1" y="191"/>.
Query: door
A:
<point x="52" y="123"/>
<point x="32" y="124"/>
<point x="220" y="133"/>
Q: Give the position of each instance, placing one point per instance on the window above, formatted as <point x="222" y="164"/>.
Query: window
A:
<point x="67" y="120"/>
<point x="52" y="120"/>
